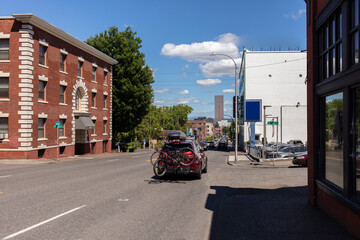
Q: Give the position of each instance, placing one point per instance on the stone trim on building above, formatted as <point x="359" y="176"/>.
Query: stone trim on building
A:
<point x="26" y="86"/>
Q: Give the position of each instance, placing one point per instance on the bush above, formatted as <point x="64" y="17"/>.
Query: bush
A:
<point x="159" y="145"/>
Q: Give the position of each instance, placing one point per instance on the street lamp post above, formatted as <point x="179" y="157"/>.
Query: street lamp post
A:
<point x="236" y="107"/>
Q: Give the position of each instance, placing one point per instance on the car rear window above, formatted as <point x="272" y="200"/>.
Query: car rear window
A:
<point x="177" y="146"/>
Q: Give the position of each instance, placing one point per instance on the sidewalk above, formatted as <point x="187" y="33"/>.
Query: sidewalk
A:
<point x="276" y="213"/>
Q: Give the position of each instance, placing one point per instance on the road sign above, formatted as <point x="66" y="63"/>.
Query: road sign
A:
<point x="273" y="123"/>
<point x="253" y="110"/>
<point x="58" y="125"/>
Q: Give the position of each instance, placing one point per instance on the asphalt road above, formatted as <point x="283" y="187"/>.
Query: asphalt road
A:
<point x="118" y="197"/>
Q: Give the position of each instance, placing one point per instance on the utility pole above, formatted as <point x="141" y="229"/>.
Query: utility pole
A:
<point x="264" y="143"/>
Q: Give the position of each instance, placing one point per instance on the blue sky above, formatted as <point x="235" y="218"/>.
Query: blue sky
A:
<point x="178" y="37"/>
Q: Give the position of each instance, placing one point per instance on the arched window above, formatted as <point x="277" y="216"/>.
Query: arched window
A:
<point x="78" y="100"/>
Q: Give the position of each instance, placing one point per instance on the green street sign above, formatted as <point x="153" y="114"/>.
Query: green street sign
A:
<point x="58" y="125"/>
<point x="273" y="123"/>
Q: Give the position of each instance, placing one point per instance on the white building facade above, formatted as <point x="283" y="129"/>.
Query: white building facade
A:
<point x="278" y="79"/>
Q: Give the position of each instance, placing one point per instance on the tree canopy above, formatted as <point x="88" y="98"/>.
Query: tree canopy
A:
<point x="132" y="90"/>
<point x="163" y="118"/>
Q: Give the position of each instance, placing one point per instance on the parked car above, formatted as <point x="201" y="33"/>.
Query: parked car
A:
<point x="288" y="152"/>
<point x="210" y="145"/>
<point x="203" y="146"/>
<point x="295" y="141"/>
<point x="300" y="159"/>
<point x="223" y="146"/>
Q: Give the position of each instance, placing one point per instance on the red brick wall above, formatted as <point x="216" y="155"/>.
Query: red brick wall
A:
<point x="52" y="108"/>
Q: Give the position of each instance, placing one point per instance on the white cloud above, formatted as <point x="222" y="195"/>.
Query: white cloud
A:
<point x="164" y="90"/>
<point x="181" y="100"/>
<point x="295" y="16"/>
<point x="199" y="52"/>
<point x="228" y="91"/>
<point x="228" y="102"/>
<point x="220" y="68"/>
<point x="184" y="92"/>
<point x="208" y="82"/>
<point x="158" y="101"/>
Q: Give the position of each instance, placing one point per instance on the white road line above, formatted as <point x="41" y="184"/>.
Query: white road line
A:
<point x="39" y="224"/>
<point x="5" y="176"/>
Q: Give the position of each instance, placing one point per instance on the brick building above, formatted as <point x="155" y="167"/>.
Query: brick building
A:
<point x="198" y="129"/>
<point x="48" y="76"/>
<point x="333" y="99"/>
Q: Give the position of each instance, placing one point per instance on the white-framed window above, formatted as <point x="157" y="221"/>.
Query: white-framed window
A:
<point x="94" y="73"/>
<point x="4" y="125"/>
<point x="93" y="130"/>
<point x="62" y="94"/>
<point x="104" y="126"/>
<point x="41" y="127"/>
<point x="105" y="98"/>
<point x="4" y="49"/>
<point x="42" y="90"/>
<point x="80" y="68"/>
<point x="4" y="87"/>
<point x="63" y="62"/>
<point x="42" y="55"/>
<point x="105" y="77"/>
<point x="62" y="130"/>
<point x="93" y="99"/>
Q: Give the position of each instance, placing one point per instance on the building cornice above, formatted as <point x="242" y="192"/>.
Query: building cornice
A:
<point x="42" y="24"/>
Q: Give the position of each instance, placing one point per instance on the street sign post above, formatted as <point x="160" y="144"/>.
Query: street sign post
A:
<point x="57" y="126"/>
<point x="272" y="123"/>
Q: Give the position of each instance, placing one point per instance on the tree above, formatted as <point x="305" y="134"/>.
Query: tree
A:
<point x="132" y="91"/>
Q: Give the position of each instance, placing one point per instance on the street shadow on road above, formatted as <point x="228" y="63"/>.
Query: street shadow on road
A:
<point x="283" y="213"/>
<point x="180" y="179"/>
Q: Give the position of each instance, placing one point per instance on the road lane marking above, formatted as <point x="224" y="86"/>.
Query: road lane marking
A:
<point x="123" y="199"/>
<point x="5" y="176"/>
<point x="41" y="223"/>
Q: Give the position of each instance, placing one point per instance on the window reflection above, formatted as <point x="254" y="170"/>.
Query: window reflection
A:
<point x="357" y="140"/>
<point x="334" y="171"/>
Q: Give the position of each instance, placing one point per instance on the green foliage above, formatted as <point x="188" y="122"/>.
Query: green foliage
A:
<point x="209" y="139"/>
<point x="163" y="118"/>
<point x="132" y="91"/>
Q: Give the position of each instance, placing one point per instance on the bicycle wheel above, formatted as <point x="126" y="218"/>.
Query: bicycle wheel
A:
<point x="187" y="156"/>
<point x="159" y="167"/>
<point x="154" y="157"/>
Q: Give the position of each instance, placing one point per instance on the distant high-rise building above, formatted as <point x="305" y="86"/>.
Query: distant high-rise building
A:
<point x="219" y="108"/>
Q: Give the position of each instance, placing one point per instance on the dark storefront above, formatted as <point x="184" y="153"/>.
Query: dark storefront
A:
<point x="334" y="109"/>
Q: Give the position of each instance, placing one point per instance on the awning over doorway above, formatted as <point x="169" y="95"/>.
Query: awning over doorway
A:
<point x="84" y="123"/>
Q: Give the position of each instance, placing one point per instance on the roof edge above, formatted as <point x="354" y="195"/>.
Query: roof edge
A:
<point x="44" y="25"/>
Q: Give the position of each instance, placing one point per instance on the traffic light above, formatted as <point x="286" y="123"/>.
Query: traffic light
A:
<point x="234" y="104"/>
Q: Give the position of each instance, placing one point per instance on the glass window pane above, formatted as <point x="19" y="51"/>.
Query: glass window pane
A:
<point x="339" y="58"/>
<point x="355" y="13"/>
<point x="80" y="64"/>
<point x="340" y="26"/>
<point x="62" y="62"/>
<point x="4" y="87"/>
<point x="333" y="62"/>
<point x="355" y="47"/>
<point x="334" y="162"/>
<point x="357" y="141"/>
<point x="326" y="38"/>
<point x="333" y="32"/>
<point x="42" y="90"/>
<point x="326" y="65"/>
<point x="42" y="51"/>
<point x="93" y="73"/>
<point x="4" y="125"/>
